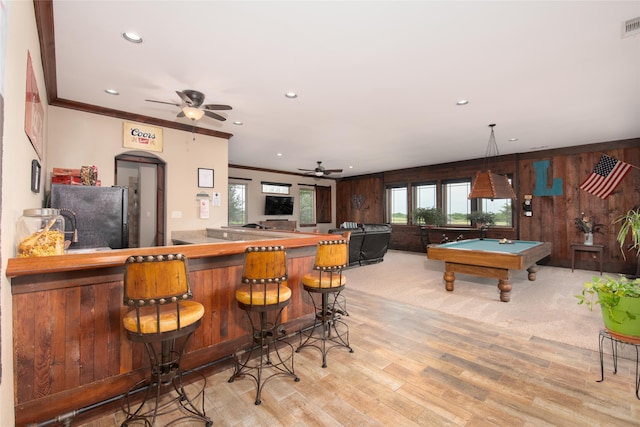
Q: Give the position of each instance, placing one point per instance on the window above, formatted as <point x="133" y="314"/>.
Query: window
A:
<point x="424" y="196"/>
<point x="502" y="208"/>
<point x="237" y="204"/>
<point x="307" y="206"/>
<point x="397" y="205"/>
<point x="455" y="202"/>
<point x="275" y="188"/>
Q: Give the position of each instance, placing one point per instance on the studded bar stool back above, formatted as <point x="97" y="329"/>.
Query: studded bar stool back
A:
<point x="163" y="317"/>
<point x="263" y="294"/>
<point x="327" y="279"/>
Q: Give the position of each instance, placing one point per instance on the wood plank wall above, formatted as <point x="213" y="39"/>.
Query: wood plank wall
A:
<point x="553" y="215"/>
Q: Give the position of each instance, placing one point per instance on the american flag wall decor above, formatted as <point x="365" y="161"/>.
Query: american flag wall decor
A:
<point x="605" y="177"/>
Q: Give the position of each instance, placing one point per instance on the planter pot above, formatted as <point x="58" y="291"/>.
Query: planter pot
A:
<point x="621" y="324"/>
<point x="588" y="239"/>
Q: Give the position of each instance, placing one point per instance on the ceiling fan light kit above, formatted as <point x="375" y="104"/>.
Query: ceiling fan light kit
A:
<point x="192" y="108"/>
<point x="193" y="113"/>
<point x="320" y="171"/>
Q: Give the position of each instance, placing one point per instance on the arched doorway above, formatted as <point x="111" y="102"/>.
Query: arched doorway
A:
<point x="144" y="174"/>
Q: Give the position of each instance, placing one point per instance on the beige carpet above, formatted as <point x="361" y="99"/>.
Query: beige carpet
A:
<point x="544" y="308"/>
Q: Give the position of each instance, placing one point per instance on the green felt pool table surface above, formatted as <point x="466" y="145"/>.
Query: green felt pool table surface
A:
<point x="493" y="245"/>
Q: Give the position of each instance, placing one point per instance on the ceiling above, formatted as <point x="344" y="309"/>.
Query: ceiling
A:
<point x="377" y="82"/>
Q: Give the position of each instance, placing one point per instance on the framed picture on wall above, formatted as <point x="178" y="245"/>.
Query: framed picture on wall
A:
<point x="34" y="112"/>
<point x="205" y="178"/>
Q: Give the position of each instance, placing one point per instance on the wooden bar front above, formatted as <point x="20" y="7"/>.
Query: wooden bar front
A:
<point x="70" y="350"/>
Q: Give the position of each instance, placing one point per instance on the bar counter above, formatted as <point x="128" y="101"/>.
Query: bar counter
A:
<point x="70" y="350"/>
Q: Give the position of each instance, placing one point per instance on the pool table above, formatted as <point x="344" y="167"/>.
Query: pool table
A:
<point x="489" y="258"/>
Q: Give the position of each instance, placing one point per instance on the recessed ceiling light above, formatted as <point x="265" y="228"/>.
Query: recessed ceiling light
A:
<point x="279" y="154"/>
<point x="513" y="139"/>
<point x="291" y="95"/>
<point x="238" y="123"/>
<point x="112" y="92"/>
<point x="350" y="167"/>
<point x="132" y="37"/>
<point x="462" y="102"/>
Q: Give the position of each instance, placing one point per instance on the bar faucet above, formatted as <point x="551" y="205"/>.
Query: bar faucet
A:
<point x="68" y="213"/>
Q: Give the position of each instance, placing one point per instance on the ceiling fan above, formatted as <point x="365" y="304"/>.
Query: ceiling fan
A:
<point x="192" y="107"/>
<point x="320" y="171"/>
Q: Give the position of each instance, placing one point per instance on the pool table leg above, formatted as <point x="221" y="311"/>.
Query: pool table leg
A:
<point x="532" y="272"/>
<point x="449" y="278"/>
<point x="505" y="289"/>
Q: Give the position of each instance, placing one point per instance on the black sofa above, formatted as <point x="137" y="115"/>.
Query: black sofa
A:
<point x="368" y="242"/>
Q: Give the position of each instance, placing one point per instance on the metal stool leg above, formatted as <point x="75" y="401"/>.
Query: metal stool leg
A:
<point x="328" y="331"/>
<point x="165" y="371"/>
<point x="266" y="343"/>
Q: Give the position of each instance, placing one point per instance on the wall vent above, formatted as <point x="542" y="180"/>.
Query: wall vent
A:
<point x="630" y="28"/>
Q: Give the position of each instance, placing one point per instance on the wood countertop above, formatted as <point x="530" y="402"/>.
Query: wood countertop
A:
<point x="17" y="267"/>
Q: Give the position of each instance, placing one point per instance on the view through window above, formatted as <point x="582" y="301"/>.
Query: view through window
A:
<point x="397" y="205"/>
<point x="237" y="204"/>
<point x="307" y="206"/>
<point x="456" y="203"/>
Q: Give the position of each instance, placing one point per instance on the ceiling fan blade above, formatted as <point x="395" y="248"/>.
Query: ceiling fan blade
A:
<point x="217" y="107"/>
<point x="307" y="170"/>
<point x="214" y="115"/>
<point x="185" y="98"/>
<point x="163" y="102"/>
<point x="333" y="170"/>
<point x="180" y="114"/>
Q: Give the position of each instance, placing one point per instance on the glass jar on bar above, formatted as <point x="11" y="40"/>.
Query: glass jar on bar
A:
<point x="40" y="232"/>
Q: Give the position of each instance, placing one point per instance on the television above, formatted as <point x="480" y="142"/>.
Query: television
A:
<point x="278" y="205"/>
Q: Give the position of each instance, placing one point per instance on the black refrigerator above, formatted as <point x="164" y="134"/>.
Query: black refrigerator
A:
<point x="96" y="215"/>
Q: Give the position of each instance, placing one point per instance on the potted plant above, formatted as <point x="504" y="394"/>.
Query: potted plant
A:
<point x="482" y="219"/>
<point x="630" y="228"/>
<point x="588" y="226"/>
<point x="619" y="300"/>
<point x="428" y="216"/>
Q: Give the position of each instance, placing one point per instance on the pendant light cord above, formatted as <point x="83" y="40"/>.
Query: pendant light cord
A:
<point x="492" y="149"/>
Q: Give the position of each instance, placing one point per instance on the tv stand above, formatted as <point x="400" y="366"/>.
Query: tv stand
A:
<point x="279" y="224"/>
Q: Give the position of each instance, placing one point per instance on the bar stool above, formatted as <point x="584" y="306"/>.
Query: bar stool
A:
<point x="328" y="331"/>
<point x="163" y="318"/>
<point x="263" y="295"/>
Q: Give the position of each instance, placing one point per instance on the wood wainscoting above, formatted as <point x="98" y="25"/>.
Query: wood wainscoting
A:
<point x="70" y="350"/>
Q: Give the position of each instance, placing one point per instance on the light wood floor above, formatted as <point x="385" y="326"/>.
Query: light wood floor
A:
<point x="413" y="367"/>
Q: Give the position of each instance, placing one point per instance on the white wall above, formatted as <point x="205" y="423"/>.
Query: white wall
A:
<point x="79" y="139"/>
<point x="17" y="154"/>
<point x="255" y="197"/>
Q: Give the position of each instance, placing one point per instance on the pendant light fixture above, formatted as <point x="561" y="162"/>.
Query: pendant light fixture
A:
<point x="488" y="185"/>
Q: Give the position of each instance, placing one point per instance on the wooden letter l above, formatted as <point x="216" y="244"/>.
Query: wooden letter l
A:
<point x="541" y="188"/>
